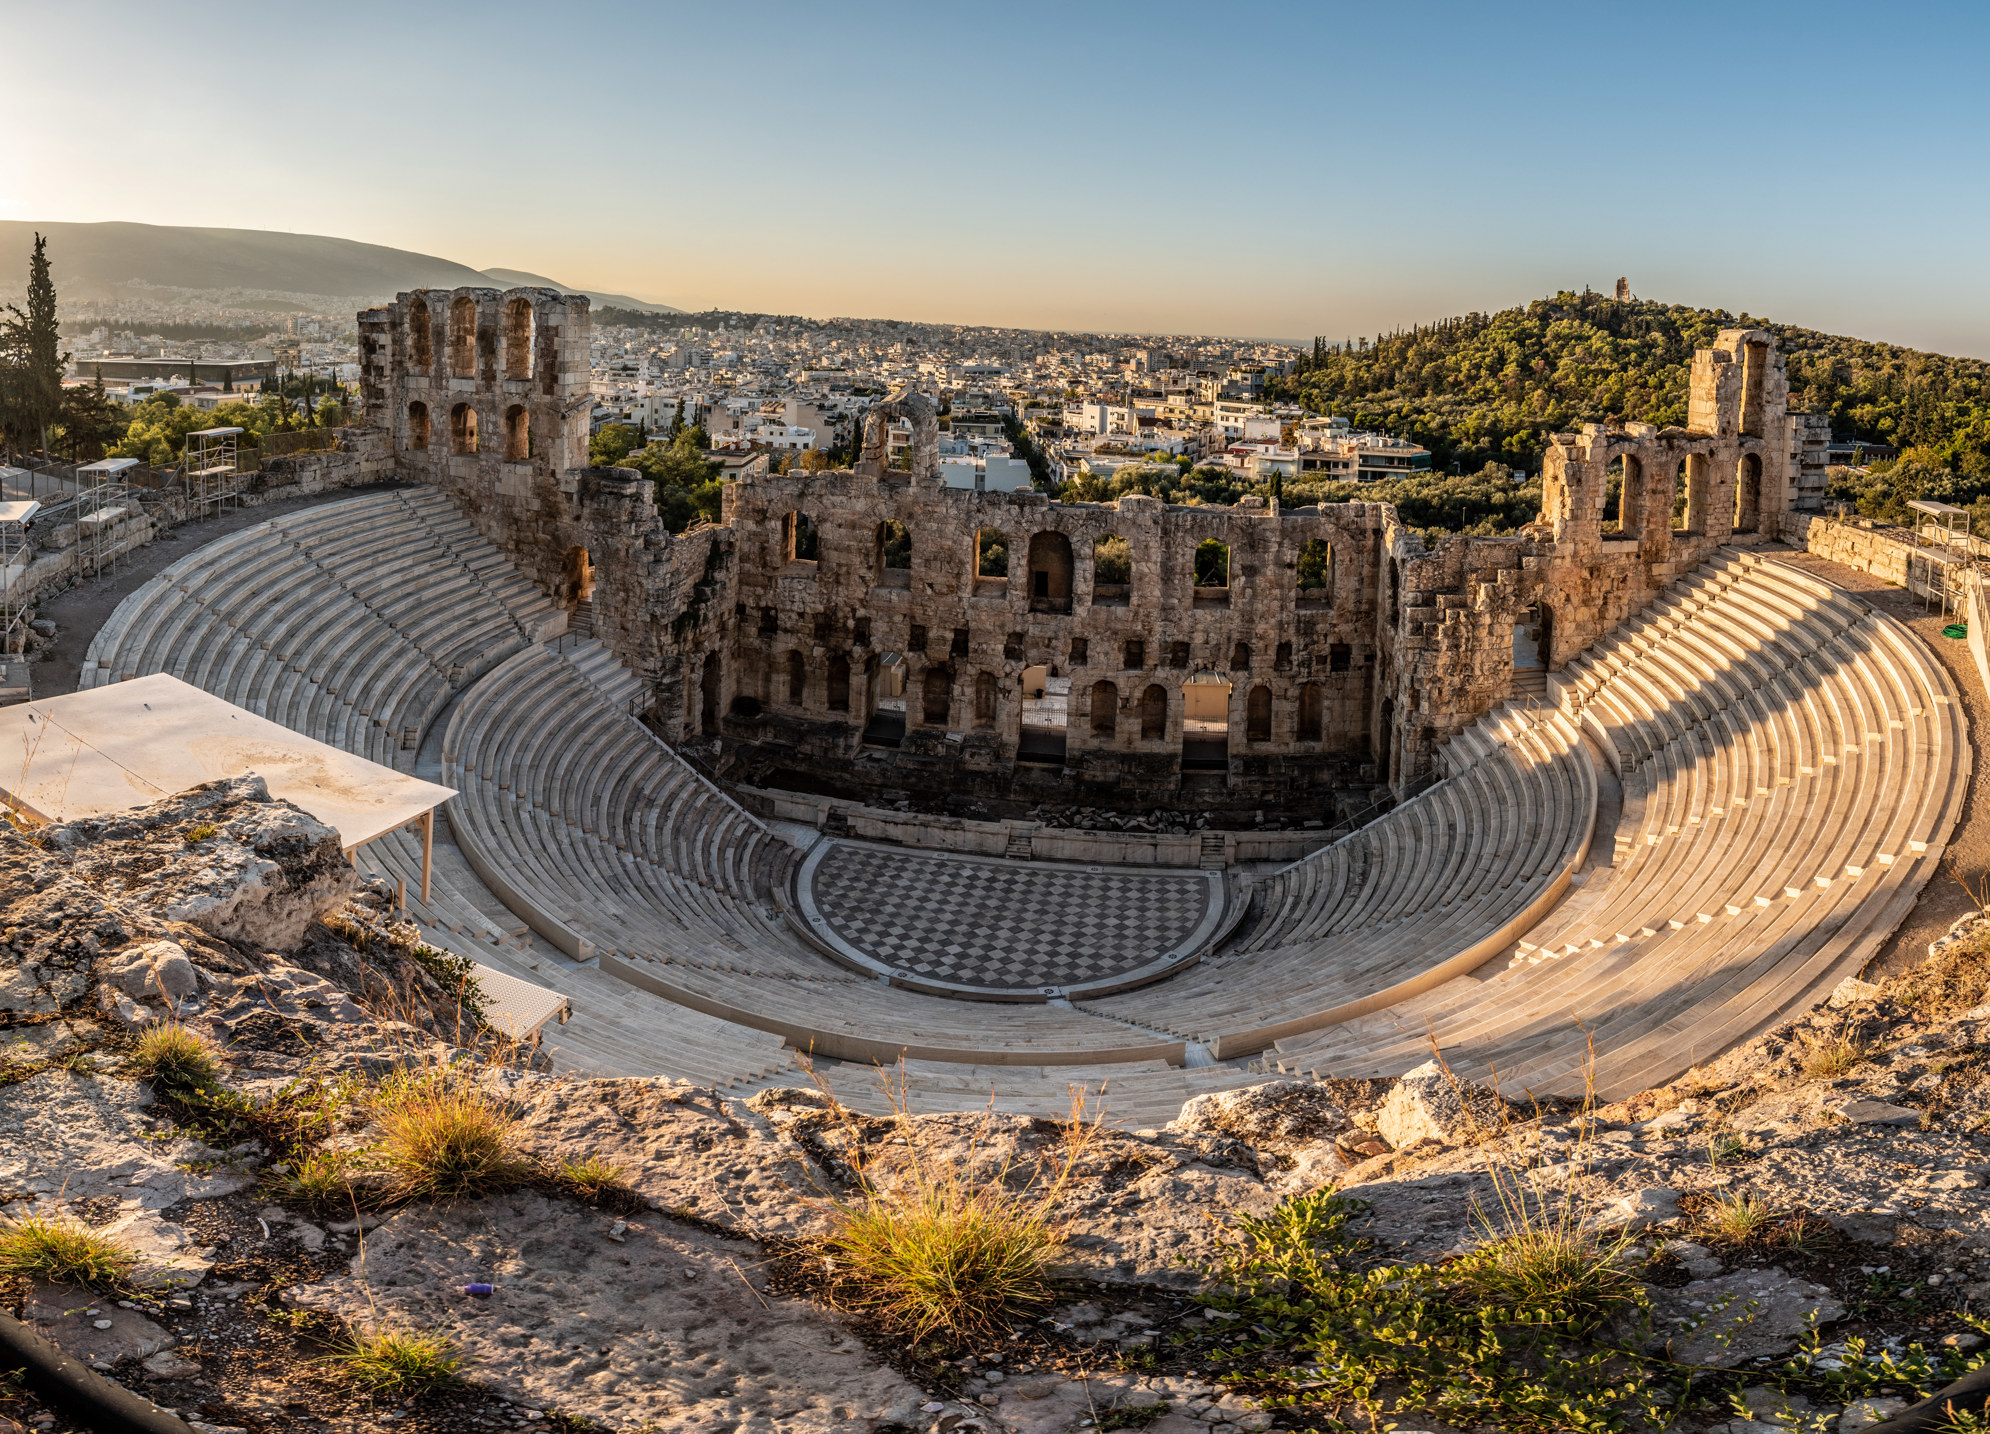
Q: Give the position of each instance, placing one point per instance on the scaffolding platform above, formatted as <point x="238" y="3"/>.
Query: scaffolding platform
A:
<point x="212" y="469"/>
<point x="103" y="499"/>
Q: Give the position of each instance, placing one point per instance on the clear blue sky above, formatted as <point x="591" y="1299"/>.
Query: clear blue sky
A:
<point x="1265" y="169"/>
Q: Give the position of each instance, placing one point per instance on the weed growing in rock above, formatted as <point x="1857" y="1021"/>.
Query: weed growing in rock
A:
<point x="175" y="1059"/>
<point x="442" y="1138"/>
<point x="590" y="1179"/>
<point x="1553" y="1269"/>
<point x="199" y="834"/>
<point x="63" y="1252"/>
<point x="321" y="1179"/>
<point x="400" y="1363"/>
<point x="1830" y="1054"/>
<point x="1738" y="1216"/>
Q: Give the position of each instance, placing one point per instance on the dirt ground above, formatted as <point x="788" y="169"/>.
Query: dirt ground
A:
<point x="1944" y="898"/>
<point x="79" y="612"/>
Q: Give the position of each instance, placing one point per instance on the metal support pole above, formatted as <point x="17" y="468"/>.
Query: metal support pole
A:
<point x="427" y="850"/>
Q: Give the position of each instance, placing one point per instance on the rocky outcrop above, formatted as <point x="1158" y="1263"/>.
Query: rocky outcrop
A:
<point x="225" y="857"/>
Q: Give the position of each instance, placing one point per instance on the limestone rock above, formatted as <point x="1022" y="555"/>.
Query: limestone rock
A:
<point x="1276" y="1115"/>
<point x="1851" y="991"/>
<point x="92" y="1327"/>
<point x="1430" y="1104"/>
<point x="259" y="877"/>
<point x="673" y="1326"/>
<point x="1877" y="1112"/>
<point x="1731" y="1319"/>
<point x="71" y="1137"/>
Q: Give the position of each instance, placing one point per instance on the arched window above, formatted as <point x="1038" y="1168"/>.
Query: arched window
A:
<point x="1623" y="497"/>
<point x="1105" y="709"/>
<point x="1312" y="710"/>
<point x="839" y="683"/>
<point x="798" y="540"/>
<point x="1154" y="713"/>
<point x="797" y="678"/>
<point x="577" y="573"/>
<point x="984" y="699"/>
<point x="517" y="434"/>
<point x="518" y="339"/>
<point x="463" y="429"/>
<point x="1212" y="564"/>
<point x="1257" y="715"/>
<point x="1316" y="573"/>
<point x="417" y="425"/>
<point x="1240" y="657"/>
<point x="1050" y="572"/>
<point x="421" y="339"/>
<point x="1112" y="572"/>
<point x="991" y="553"/>
<point x="463" y="337"/>
<point x="937" y="696"/>
<point x="1748" y="492"/>
<point x="1689" y="503"/>
<point x="894" y="555"/>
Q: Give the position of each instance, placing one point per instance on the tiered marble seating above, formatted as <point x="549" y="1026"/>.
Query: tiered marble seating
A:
<point x="1427" y="892"/>
<point x="600" y="834"/>
<point x="1792" y="763"/>
<point x="352" y="622"/>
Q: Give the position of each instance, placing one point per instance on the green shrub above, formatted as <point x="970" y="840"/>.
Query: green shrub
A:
<point x="400" y="1363"/>
<point x="175" y="1059"/>
<point x="441" y="1138"/>
<point x="63" y="1252"/>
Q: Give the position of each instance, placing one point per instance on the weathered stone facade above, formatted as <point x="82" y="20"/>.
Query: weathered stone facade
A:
<point x="786" y="633"/>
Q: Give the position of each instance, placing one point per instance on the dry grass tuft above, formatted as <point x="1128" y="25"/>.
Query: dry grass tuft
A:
<point x="63" y="1252"/>
<point x="175" y="1059"/>
<point x="933" y="1248"/>
<point x="441" y="1138"/>
<point x="1826" y="1055"/>
<point x="590" y="1179"/>
<point x="400" y="1363"/>
<point x="1737" y="1216"/>
<point x="322" y="1179"/>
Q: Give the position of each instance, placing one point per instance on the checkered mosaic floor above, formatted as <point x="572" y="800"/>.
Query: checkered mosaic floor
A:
<point x="1003" y="926"/>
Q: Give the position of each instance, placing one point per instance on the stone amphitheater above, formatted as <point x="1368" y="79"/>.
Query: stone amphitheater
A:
<point x="1592" y="803"/>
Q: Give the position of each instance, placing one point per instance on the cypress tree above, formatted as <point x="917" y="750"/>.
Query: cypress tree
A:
<point x="39" y="352"/>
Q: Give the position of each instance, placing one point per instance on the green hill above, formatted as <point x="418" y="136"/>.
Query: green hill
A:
<point x="518" y="277"/>
<point x="1490" y="387"/>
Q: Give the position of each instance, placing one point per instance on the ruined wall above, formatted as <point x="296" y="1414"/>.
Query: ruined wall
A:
<point x="972" y="637"/>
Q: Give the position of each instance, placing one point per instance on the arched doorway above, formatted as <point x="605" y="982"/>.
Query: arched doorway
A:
<point x="1385" y="740"/>
<point x="1206" y="723"/>
<point x="577" y="576"/>
<point x="1748" y="492"/>
<point x="1046" y="717"/>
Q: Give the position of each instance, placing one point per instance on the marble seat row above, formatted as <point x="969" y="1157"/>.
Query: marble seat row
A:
<point x="352" y="622"/>
<point x="1791" y="761"/>
<point x="601" y="831"/>
<point x="1430" y="889"/>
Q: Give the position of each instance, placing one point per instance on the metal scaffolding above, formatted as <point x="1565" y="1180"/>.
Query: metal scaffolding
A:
<point x="214" y="481"/>
<point x="14" y="557"/>
<point x="103" y="500"/>
<point x="1942" y="554"/>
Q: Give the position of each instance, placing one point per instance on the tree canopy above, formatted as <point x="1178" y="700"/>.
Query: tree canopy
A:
<point x="1485" y="388"/>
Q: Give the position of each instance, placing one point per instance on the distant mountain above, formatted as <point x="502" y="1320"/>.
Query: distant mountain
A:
<point x="94" y="260"/>
<point x="518" y="277"/>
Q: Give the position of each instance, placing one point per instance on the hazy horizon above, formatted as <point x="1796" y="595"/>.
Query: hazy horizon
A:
<point x="1266" y="169"/>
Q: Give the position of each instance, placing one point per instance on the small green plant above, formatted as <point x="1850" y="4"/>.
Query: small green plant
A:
<point x="196" y="835"/>
<point x="400" y="1363"/>
<point x="1130" y="1416"/>
<point x="62" y="1251"/>
<point x="590" y="1179"/>
<point x="175" y="1059"/>
<point x="77" y="1062"/>
<point x="1737" y="1216"/>
<point x="323" y="1178"/>
<point x="442" y="1138"/>
<point x="1553" y="1269"/>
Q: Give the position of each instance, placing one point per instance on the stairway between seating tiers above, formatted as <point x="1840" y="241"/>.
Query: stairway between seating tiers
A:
<point x="1792" y="763"/>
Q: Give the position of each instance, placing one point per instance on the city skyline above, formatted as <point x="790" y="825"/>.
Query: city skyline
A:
<point x="1267" y="170"/>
